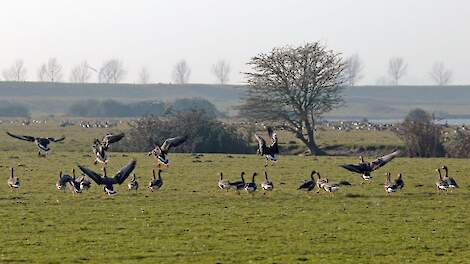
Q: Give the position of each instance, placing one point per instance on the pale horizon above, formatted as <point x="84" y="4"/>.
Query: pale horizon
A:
<point x="158" y="34"/>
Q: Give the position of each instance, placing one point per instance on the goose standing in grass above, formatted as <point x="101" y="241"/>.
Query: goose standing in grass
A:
<point x="13" y="181"/>
<point x="330" y="187"/>
<point x="251" y="186"/>
<point x="388" y="186"/>
<point x="269" y="152"/>
<point x="223" y="183"/>
<point x="160" y="151"/>
<point x="108" y="183"/>
<point x="366" y="168"/>
<point x="399" y="182"/>
<point x="320" y="182"/>
<point x="267" y="185"/>
<point x="156" y="183"/>
<point x="451" y="183"/>
<point x="440" y="183"/>
<point x="63" y="180"/>
<point x="308" y="185"/>
<point x="133" y="184"/>
<point x="238" y="185"/>
<point x="100" y="147"/>
<point x="41" y="142"/>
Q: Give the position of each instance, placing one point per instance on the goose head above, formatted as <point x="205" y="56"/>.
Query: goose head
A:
<point x="265" y="175"/>
<point x="361" y="159"/>
<point x="254" y="175"/>
<point x="313" y="174"/>
<point x="221" y="176"/>
<point x="60" y="184"/>
<point x="439" y="172"/>
<point x="242" y="176"/>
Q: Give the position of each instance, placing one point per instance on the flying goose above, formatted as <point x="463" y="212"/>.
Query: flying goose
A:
<point x="133" y="184"/>
<point x="451" y="183"/>
<point x="269" y="152"/>
<point x="160" y="151"/>
<point x="267" y="185"/>
<point x="223" y="183"/>
<point x="251" y="186"/>
<point x="366" y="168"/>
<point x="41" y="142"/>
<point x="308" y="185"/>
<point x="440" y="183"/>
<point x="108" y="183"/>
<point x="100" y="147"/>
<point x="13" y="181"/>
<point x="156" y="184"/>
<point x="238" y="185"/>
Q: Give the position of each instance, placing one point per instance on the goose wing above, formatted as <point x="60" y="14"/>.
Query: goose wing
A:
<point x="173" y="142"/>
<point x="353" y="167"/>
<point x="56" y="139"/>
<point x="261" y="144"/>
<point x="383" y="160"/>
<point x="110" y="138"/>
<point x="91" y="174"/>
<point x="122" y="175"/>
<point x="26" y="138"/>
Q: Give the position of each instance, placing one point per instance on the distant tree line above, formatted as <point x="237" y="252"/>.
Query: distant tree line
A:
<point x="111" y="71"/>
<point x="112" y="108"/>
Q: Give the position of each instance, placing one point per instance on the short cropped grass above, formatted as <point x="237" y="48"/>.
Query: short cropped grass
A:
<point x="191" y="220"/>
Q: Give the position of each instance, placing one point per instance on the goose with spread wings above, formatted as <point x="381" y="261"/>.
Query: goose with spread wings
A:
<point x="160" y="151"/>
<point x="269" y="152"/>
<point x="41" y="142"/>
<point x="100" y="147"/>
<point x="108" y="182"/>
<point x="366" y="168"/>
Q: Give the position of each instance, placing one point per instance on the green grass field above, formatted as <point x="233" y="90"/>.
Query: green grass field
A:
<point x="191" y="220"/>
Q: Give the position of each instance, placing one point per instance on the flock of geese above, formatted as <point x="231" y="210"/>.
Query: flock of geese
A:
<point x="160" y="152"/>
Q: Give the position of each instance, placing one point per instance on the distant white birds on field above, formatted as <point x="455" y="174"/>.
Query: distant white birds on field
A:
<point x="41" y="142"/>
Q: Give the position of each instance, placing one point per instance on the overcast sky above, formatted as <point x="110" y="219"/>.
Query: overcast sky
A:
<point x="157" y="34"/>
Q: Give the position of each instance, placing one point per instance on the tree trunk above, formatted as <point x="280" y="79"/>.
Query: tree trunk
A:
<point x="314" y="149"/>
<point x="310" y="140"/>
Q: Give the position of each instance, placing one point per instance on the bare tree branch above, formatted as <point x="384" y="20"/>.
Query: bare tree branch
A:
<point x="17" y="72"/>
<point x="440" y="75"/>
<point x="221" y="71"/>
<point x="112" y="71"/>
<point x="181" y="72"/>
<point x="50" y="71"/>
<point x="397" y="69"/>
<point x="293" y="87"/>
<point x="144" y="76"/>
<point x="353" y="70"/>
<point x="80" y="73"/>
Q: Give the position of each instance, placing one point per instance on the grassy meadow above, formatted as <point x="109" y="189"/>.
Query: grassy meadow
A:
<point x="191" y="220"/>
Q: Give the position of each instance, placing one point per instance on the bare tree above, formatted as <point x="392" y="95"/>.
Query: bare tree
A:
<point x="353" y="70"/>
<point x="112" y="71"/>
<point x="181" y="72"/>
<point x="144" y="76"/>
<point x="50" y="71"/>
<point x="396" y="69"/>
<point x="17" y="72"/>
<point x="221" y="71"/>
<point x="81" y="73"/>
<point x="440" y="74"/>
<point x="293" y="87"/>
